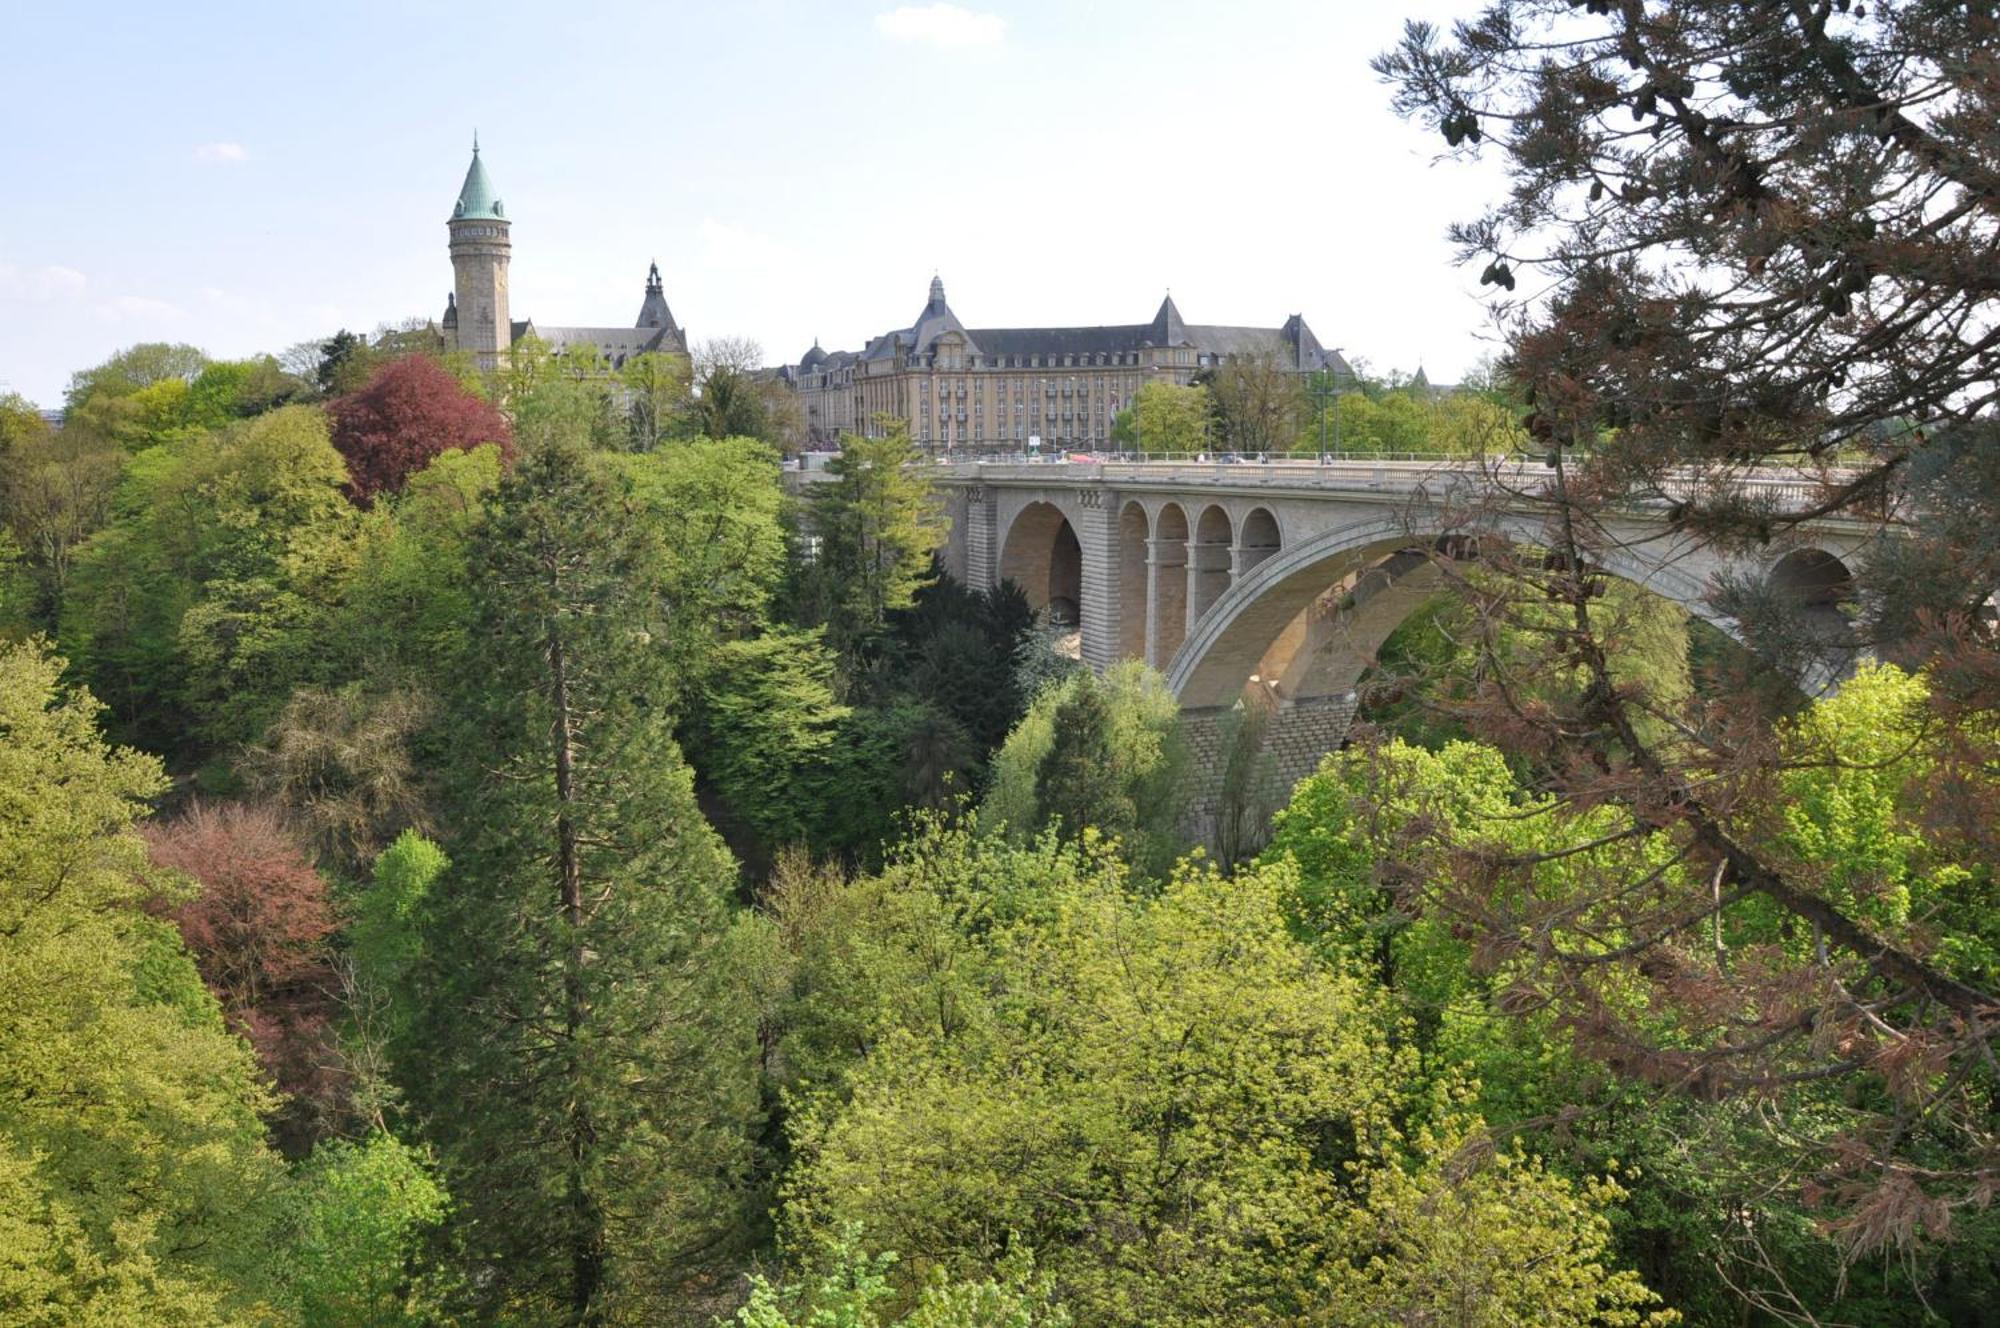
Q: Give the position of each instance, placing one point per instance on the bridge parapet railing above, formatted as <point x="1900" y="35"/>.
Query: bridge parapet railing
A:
<point x="1787" y="490"/>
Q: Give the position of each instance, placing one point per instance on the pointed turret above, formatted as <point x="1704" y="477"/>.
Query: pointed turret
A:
<point x="480" y="252"/>
<point x="450" y="321"/>
<point x="653" y="311"/>
<point x="1168" y="329"/>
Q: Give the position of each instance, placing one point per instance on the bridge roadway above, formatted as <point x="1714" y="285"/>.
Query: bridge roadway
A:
<point x="1276" y="582"/>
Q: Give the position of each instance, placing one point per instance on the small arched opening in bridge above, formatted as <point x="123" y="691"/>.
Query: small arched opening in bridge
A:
<point x="1258" y="541"/>
<point x="1168" y="612"/>
<point x="1208" y="560"/>
<point x="1821" y="587"/>
<point x="1042" y="557"/>
<point x="1817" y="578"/>
<point x="1132" y="607"/>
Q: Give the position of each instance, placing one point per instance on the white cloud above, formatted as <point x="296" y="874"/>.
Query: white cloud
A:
<point x="946" y="26"/>
<point x="52" y="282"/>
<point x="222" y="154"/>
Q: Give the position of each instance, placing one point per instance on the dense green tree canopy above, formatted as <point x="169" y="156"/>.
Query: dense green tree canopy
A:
<point x="203" y="588"/>
<point x="1182" y="1115"/>
<point x="1164" y="417"/>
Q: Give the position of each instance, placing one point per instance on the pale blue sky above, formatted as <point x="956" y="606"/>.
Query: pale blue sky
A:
<point x="247" y="176"/>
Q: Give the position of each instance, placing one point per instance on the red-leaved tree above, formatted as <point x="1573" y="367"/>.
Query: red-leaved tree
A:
<point x="259" y="930"/>
<point x="411" y="410"/>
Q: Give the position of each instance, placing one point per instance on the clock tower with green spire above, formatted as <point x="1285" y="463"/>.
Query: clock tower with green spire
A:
<point x="480" y="248"/>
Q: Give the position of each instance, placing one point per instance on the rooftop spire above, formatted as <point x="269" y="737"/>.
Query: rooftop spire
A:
<point x="653" y="311"/>
<point x="476" y="199"/>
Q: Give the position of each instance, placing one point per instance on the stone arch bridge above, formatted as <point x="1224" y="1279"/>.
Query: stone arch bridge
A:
<point x="1288" y="576"/>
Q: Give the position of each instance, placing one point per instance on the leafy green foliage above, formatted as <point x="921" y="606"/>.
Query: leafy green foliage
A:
<point x="876" y="528"/>
<point x="1485" y="1246"/>
<point x="1374" y="837"/>
<point x="1165" y="417"/>
<point x="56" y="486"/>
<point x="133" y="1159"/>
<point x="658" y="386"/>
<point x="713" y="507"/>
<point x="1096" y="755"/>
<point x="402" y="615"/>
<point x="1442" y="663"/>
<point x="851" y="1292"/>
<point x="1259" y="402"/>
<point x="193" y="612"/>
<point x="766" y="730"/>
<point x="351" y="1224"/>
<point x="1184" y="1116"/>
<point x="135" y="369"/>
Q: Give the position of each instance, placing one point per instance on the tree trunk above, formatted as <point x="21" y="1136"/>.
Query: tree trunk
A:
<point x="586" y="1236"/>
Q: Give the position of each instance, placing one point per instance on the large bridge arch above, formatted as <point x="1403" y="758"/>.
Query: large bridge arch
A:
<point x="1230" y="642"/>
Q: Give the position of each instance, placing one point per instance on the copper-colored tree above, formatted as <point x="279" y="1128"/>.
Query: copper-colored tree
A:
<point x="411" y="410"/>
<point x="259" y="928"/>
<point x="1741" y="236"/>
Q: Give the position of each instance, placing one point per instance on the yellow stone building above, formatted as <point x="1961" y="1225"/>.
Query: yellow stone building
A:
<point x="1005" y="389"/>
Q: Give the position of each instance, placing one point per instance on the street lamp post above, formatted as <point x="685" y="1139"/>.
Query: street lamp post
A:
<point x="1329" y="386"/>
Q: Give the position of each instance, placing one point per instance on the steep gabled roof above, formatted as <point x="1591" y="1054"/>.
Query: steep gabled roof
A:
<point x="937" y="319"/>
<point x="614" y="343"/>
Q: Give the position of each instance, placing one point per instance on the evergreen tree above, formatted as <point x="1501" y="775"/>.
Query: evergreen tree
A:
<point x="1077" y="785"/>
<point x="590" y="1085"/>
<point x="876" y="528"/>
<point x="1113" y="761"/>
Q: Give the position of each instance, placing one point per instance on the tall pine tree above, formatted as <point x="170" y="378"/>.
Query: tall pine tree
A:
<point x="591" y="1081"/>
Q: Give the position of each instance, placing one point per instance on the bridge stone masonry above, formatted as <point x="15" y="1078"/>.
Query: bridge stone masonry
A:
<point x="1280" y="581"/>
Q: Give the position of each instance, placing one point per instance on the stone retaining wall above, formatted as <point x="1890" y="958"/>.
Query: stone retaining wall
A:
<point x="1298" y="735"/>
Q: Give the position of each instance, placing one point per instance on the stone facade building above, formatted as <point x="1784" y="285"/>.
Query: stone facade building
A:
<point x="998" y="389"/>
<point x="476" y="314"/>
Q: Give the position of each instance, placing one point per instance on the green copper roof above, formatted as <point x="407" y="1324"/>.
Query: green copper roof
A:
<point x="476" y="198"/>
